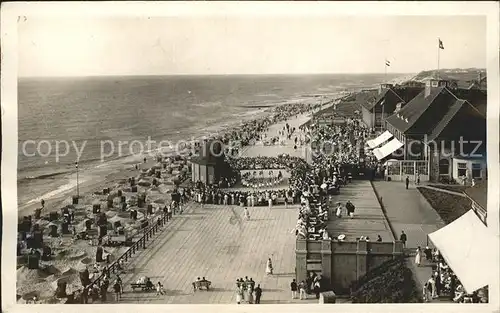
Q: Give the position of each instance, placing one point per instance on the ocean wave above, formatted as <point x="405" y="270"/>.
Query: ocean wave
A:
<point x="44" y="176"/>
<point x="208" y="104"/>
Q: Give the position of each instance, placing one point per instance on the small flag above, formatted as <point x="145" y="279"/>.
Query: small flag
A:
<point x="441" y="44"/>
<point x="387" y="63"/>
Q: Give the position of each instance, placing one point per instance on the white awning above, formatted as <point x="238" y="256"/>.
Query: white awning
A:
<point x="469" y="249"/>
<point x="379" y="140"/>
<point x="387" y="149"/>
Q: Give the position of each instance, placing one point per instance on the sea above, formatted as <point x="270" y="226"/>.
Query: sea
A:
<point x="61" y="118"/>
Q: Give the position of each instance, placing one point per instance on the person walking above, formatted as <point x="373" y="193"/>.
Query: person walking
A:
<point x="258" y="294"/>
<point x="302" y="290"/>
<point x="117" y="288"/>
<point x="293" y="288"/>
<point x="350" y="208"/>
<point x="269" y="267"/>
<point x="425" y="292"/>
<point x="418" y="256"/>
<point x="407" y="181"/>
<point x="403" y="238"/>
<point x="159" y="289"/>
<point x="247" y="214"/>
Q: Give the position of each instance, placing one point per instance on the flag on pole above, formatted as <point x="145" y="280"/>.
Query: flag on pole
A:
<point x="387" y="63"/>
<point x="441" y="44"/>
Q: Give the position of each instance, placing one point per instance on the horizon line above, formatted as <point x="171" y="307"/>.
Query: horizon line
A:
<point x="249" y="74"/>
<point x="233" y="74"/>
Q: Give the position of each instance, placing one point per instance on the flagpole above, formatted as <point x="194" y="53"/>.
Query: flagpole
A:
<point x="439" y="48"/>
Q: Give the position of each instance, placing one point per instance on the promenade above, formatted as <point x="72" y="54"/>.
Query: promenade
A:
<point x="368" y="219"/>
<point x="218" y="243"/>
<point x="272" y="151"/>
<point x="406" y="212"/>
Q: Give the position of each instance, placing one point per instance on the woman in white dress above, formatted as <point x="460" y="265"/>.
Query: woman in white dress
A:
<point x="418" y="256"/>
<point x="269" y="267"/>
<point x="239" y="294"/>
<point x="247" y="214"/>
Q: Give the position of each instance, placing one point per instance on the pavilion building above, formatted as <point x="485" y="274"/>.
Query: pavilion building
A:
<point x="426" y="138"/>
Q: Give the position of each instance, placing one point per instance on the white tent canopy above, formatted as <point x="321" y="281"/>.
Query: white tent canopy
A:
<point x="387" y="149"/>
<point x="379" y="140"/>
<point x="469" y="249"/>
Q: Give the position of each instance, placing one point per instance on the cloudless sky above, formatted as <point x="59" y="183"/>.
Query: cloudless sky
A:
<point x="243" y="45"/>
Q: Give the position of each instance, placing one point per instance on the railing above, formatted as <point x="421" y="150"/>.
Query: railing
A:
<point x="148" y="234"/>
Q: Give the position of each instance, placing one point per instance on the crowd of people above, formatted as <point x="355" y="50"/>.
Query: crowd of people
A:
<point x="443" y="282"/>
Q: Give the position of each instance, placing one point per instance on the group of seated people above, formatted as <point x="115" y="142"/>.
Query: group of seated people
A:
<point x="313" y="218"/>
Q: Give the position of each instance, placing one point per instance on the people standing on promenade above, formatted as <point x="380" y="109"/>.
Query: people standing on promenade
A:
<point x="239" y="294"/>
<point x="338" y="211"/>
<point x="418" y="179"/>
<point x="379" y="239"/>
<point x="302" y="290"/>
<point x="258" y="294"/>
<point x="407" y="182"/>
<point x="403" y="238"/>
<point x="159" y="289"/>
<point x="117" y="288"/>
<point x="418" y="256"/>
<point x="350" y="208"/>
<point x="269" y="267"/>
<point x="426" y="291"/>
<point x="293" y="288"/>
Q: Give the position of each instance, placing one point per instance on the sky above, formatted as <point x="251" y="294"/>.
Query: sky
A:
<point x="243" y="45"/>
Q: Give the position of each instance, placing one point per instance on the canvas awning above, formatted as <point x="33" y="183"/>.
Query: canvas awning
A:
<point x="469" y="249"/>
<point x="379" y="140"/>
<point x="387" y="149"/>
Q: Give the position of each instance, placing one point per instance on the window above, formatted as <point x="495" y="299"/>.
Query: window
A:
<point x="408" y="168"/>
<point x="462" y="169"/>
<point x="476" y="170"/>
<point x="422" y="167"/>
<point x="444" y="167"/>
<point x="393" y="168"/>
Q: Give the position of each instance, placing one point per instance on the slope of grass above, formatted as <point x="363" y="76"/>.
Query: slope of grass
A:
<point x="456" y="188"/>
<point x="448" y="206"/>
<point x="392" y="282"/>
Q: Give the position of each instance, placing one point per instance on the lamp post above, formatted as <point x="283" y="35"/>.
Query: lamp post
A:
<point x="77" y="185"/>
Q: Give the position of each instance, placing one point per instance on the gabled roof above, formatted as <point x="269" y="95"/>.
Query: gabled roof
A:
<point x="387" y="95"/>
<point x="451" y="113"/>
<point x="479" y="193"/>
<point x="412" y="111"/>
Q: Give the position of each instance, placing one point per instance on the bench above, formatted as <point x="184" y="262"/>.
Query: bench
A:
<point x="142" y="286"/>
<point x="202" y="284"/>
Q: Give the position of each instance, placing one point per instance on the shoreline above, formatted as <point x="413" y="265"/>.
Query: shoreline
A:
<point x="103" y="174"/>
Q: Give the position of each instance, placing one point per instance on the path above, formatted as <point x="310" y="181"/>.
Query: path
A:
<point x="272" y="151"/>
<point x="407" y="213"/>
<point x="369" y="219"/>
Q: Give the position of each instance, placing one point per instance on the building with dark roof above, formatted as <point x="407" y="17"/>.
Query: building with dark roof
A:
<point x="478" y="194"/>
<point x="389" y="100"/>
<point x="444" y="134"/>
<point x="208" y="163"/>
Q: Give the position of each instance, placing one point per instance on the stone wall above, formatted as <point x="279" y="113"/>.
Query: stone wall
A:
<point x="342" y="263"/>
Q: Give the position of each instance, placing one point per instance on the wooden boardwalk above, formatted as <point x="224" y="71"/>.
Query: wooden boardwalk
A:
<point x="368" y="220"/>
<point x="218" y="243"/>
